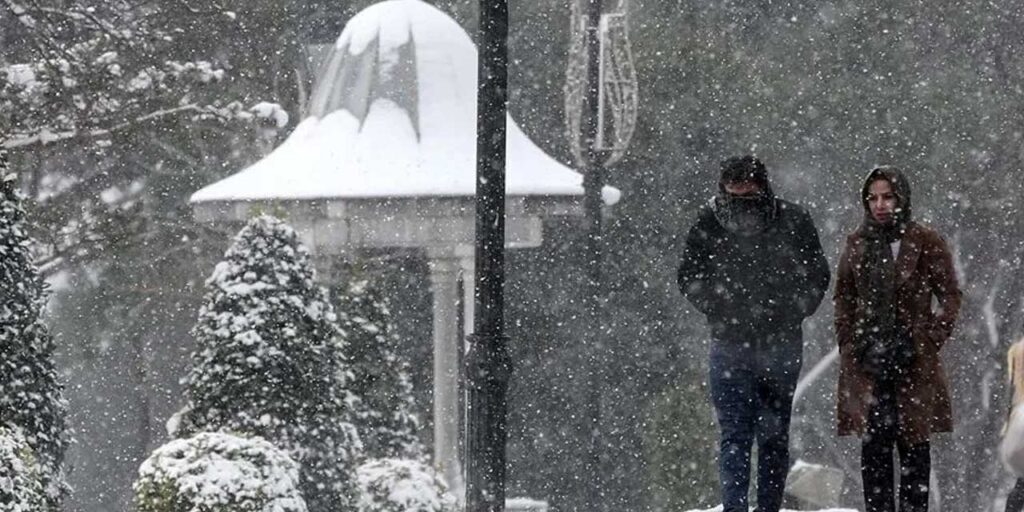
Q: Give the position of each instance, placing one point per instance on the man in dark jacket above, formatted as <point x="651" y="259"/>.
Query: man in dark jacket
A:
<point x="754" y="266"/>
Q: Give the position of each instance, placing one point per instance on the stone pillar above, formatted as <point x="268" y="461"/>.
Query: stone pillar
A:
<point x="444" y="276"/>
<point x="323" y="265"/>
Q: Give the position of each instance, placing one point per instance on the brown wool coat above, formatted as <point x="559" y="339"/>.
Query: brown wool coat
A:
<point x="924" y="269"/>
<point x="1015" y="371"/>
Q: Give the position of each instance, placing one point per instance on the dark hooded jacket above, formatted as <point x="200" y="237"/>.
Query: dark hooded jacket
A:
<point x="923" y="269"/>
<point x="757" y="285"/>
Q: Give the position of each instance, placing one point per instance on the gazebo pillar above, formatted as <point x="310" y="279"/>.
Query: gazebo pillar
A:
<point x="445" y="267"/>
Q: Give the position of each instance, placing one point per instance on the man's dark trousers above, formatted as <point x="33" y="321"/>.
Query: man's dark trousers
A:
<point x="752" y="385"/>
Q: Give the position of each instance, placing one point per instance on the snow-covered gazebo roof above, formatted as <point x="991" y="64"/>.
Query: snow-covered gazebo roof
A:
<point x="393" y="115"/>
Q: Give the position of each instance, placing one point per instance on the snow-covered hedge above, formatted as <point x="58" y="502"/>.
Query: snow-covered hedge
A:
<point x="270" y="362"/>
<point x="21" y="488"/>
<point x="218" y="472"/>
<point x="380" y="375"/>
<point x="401" y="485"/>
<point x="30" y="391"/>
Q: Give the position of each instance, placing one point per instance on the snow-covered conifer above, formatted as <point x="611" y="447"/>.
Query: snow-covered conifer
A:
<point x="218" y="472"/>
<point x="270" y="362"/>
<point x="381" y="376"/>
<point x="30" y="393"/>
<point x="397" y="485"/>
<point x="21" y="485"/>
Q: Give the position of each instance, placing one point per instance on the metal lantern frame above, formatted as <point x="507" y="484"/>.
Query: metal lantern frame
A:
<point x="617" y="92"/>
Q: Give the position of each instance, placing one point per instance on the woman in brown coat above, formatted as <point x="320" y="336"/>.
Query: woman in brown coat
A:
<point x="1010" y="447"/>
<point x="892" y="389"/>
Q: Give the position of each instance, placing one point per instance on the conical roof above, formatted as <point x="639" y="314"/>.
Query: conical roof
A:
<point x="393" y="114"/>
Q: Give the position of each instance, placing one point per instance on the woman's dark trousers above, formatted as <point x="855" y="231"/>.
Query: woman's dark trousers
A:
<point x="877" y="447"/>
<point x="1015" y="501"/>
<point x="752" y="385"/>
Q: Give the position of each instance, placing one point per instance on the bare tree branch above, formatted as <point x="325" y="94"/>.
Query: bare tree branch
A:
<point x="50" y="137"/>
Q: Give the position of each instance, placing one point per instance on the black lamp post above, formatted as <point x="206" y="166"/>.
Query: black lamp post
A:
<point x="488" y="365"/>
<point x="593" y="182"/>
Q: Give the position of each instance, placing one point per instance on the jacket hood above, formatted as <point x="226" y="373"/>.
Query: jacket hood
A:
<point x="745" y="168"/>
<point x="900" y="187"/>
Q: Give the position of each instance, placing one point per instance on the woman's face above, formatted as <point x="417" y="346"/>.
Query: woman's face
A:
<point x="882" y="201"/>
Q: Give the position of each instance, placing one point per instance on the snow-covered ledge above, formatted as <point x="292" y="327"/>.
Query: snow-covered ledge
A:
<point x="338" y="226"/>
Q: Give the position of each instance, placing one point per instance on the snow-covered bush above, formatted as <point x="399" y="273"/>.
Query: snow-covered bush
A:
<point x="402" y="485"/>
<point x="380" y="375"/>
<point x="30" y="393"/>
<point x="218" y="472"/>
<point x="270" y="362"/>
<point x="21" y="485"/>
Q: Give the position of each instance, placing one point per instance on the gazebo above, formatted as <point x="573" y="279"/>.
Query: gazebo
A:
<point x="385" y="157"/>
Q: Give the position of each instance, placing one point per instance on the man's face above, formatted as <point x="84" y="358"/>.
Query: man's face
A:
<point x="742" y="188"/>
<point x="882" y="201"/>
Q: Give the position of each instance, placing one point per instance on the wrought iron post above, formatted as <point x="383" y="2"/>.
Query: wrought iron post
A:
<point x="601" y="107"/>
<point x="593" y="181"/>
<point x="488" y="364"/>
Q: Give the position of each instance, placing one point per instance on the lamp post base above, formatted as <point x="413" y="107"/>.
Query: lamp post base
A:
<point x="488" y="370"/>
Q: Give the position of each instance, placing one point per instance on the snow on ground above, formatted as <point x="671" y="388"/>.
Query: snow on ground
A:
<point x="525" y="504"/>
<point x="719" y="509"/>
